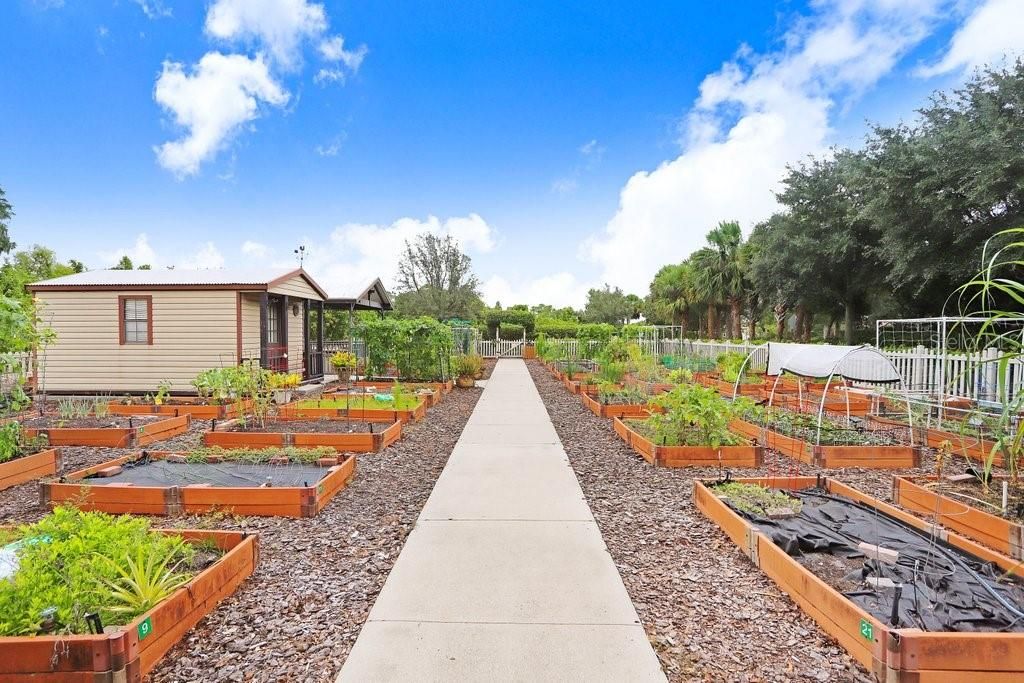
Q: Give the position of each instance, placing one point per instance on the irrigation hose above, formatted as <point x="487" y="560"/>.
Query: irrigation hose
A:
<point x="943" y="551"/>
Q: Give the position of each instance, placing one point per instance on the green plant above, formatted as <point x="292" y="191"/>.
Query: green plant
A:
<point x="142" y="582"/>
<point x="467" y="365"/>
<point x="754" y="499"/>
<point x="14" y="443"/>
<point x="163" y="391"/>
<point x="256" y="456"/>
<point x="693" y="416"/>
<point x="612" y="394"/>
<point x="680" y="376"/>
<point x="101" y="406"/>
<point x="68" y="560"/>
<point x="611" y="372"/>
<point x="72" y="408"/>
<point x="343" y="361"/>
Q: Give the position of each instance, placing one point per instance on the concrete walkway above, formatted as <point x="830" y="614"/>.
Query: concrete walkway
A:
<point x="505" y="576"/>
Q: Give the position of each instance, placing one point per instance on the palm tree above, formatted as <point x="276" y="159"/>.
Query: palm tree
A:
<point x="672" y="290"/>
<point x="707" y="291"/>
<point x="722" y="272"/>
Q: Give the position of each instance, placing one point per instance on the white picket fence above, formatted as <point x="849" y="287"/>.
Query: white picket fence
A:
<point x="967" y="375"/>
<point x="500" y="348"/>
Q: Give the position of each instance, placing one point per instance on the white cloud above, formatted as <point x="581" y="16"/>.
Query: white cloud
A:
<point x="566" y="185"/>
<point x="332" y="147"/>
<point x="356" y="253"/>
<point x="140" y="253"/>
<point x="154" y="9"/>
<point x="333" y="50"/>
<point x="753" y="116"/>
<point x="256" y="250"/>
<point x="221" y="93"/>
<point x="590" y="153"/>
<point x="279" y="26"/>
<point x="560" y="289"/>
<point x="208" y="257"/>
<point x="993" y="31"/>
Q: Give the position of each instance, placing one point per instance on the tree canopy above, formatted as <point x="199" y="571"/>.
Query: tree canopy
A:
<point x="436" y="279"/>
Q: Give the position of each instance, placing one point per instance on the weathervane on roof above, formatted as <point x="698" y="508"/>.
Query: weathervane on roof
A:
<point x="300" y="254"/>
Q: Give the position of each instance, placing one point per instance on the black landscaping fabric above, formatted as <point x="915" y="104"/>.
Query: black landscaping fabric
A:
<point x="943" y="588"/>
<point x="163" y="473"/>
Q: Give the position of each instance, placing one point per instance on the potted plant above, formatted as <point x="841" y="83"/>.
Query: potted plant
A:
<point x="282" y="385"/>
<point x="343" y="362"/>
<point x="465" y="369"/>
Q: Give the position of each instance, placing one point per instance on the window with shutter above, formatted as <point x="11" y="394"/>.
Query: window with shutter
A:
<point x="136" y="320"/>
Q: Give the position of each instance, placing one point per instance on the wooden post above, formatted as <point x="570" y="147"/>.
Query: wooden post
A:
<point x="320" y="336"/>
<point x="285" y="317"/>
<point x="306" y="364"/>
<point x="264" y="301"/>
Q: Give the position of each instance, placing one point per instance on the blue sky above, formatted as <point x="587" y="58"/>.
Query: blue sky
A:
<point x="565" y="144"/>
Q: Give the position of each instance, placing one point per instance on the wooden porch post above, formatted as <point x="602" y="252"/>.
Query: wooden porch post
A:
<point x="285" y="313"/>
<point x="307" y="366"/>
<point x="264" y="300"/>
<point x="320" y="335"/>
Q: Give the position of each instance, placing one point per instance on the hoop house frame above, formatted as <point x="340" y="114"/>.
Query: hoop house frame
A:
<point x="834" y="369"/>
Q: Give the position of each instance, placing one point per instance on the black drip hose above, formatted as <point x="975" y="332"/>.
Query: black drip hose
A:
<point x="938" y="547"/>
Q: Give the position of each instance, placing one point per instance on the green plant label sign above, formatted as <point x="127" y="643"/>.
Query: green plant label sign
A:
<point x="146" y="627"/>
<point x="867" y="630"/>
<point x="319" y="489"/>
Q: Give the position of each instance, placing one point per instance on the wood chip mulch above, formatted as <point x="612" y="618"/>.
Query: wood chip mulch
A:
<point x="709" y="613"/>
<point x="298" y="616"/>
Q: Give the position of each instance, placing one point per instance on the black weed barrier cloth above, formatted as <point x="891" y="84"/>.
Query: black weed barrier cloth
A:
<point x="943" y="588"/>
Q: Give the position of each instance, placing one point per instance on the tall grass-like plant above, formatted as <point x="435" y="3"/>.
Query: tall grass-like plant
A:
<point x="143" y="581"/>
<point x="991" y="294"/>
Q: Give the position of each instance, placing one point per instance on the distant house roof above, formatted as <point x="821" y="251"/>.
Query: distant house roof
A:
<point x="221" y="278"/>
<point x="373" y="298"/>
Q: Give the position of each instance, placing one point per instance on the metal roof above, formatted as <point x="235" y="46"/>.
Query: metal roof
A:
<point x="165" y="277"/>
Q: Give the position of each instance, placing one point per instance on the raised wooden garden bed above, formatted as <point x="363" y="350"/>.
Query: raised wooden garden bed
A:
<point x="579" y="383"/>
<point x="809" y="402"/>
<point x="614" y="409"/>
<point x="652" y="388"/>
<point x="726" y="388"/>
<point x="183" y="406"/>
<point x="893" y="655"/>
<point x="747" y="455"/>
<point x="114" y="437"/>
<point x="431" y="392"/>
<point x="129" y="654"/>
<point x="872" y="456"/>
<point x="292" y="410"/>
<point x="29" y="467"/>
<point x="969" y="444"/>
<point x="357" y="442"/>
<point x="444" y="387"/>
<point x="997" y="533"/>
<point x="283" y="501"/>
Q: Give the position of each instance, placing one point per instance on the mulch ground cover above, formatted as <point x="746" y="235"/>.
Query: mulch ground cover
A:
<point x="709" y="613"/>
<point x="298" y="616"/>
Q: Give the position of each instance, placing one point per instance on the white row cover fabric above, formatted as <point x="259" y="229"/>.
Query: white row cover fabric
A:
<point x="856" y="363"/>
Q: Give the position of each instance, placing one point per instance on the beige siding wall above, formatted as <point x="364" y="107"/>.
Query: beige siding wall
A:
<point x="296" y="287"/>
<point x="192" y="330"/>
<point x="250" y="325"/>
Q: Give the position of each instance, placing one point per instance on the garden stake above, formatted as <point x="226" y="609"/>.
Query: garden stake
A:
<point x="894" y="618"/>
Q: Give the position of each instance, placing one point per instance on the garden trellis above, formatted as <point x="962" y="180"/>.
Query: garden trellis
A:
<point x="948" y="357"/>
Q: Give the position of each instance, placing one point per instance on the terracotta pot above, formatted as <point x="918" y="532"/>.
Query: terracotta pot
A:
<point x="465" y="382"/>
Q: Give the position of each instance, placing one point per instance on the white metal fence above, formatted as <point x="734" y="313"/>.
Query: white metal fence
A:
<point x="967" y="375"/>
